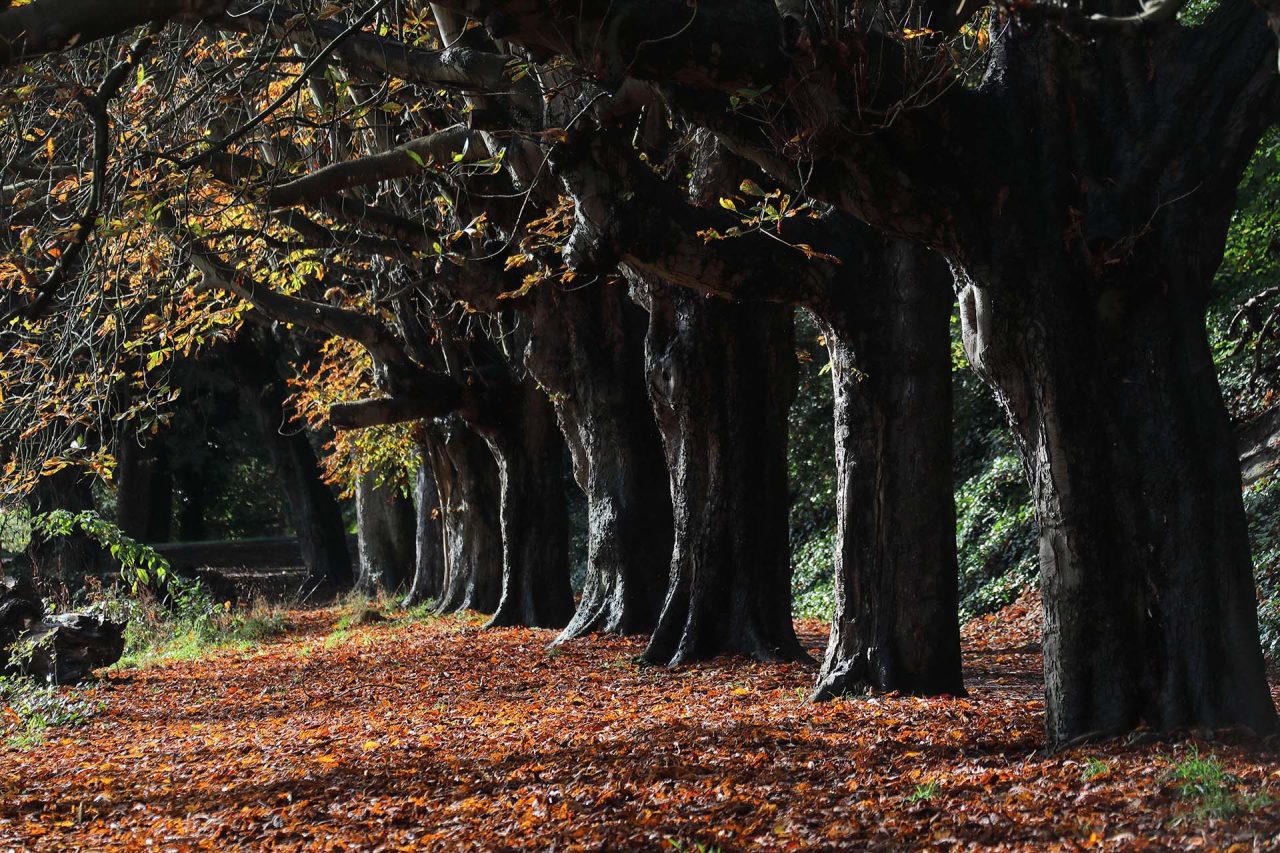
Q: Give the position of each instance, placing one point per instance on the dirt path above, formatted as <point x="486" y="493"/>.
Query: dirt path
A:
<point x="440" y="735"/>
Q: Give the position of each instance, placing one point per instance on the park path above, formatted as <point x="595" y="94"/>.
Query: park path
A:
<point x="437" y="734"/>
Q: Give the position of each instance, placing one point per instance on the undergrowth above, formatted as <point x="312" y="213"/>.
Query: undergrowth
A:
<point x="1210" y="792"/>
<point x="28" y="709"/>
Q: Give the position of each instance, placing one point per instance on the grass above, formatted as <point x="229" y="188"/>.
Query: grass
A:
<point x="1095" y="768"/>
<point x="924" y="792"/>
<point x="158" y="634"/>
<point x="1212" y="793"/>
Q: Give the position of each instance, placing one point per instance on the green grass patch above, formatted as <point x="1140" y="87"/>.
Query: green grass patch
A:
<point x="1211" y="792"/>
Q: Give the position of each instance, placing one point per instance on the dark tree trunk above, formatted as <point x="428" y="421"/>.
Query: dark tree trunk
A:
<point x="721" y="379"/>
<point x="1084" y="307"/>
<point x="896" y="625"/>
<point x="387" y="529"/>
<point x="1150" y="610"/>
<point x="64" y="559"/>
<point x="317" y="518"/>
<point x="429" y="565"/>
<point x="160" y="492"/>
<point x="588" y="353"/>
<point x="134" y="480"/>
<point x="535" y="525"/>
<point x="470" y="497"/>
<point x="191" y="511"/>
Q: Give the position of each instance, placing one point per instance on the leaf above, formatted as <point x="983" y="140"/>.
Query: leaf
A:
<point x="727" y="204"/>
<point x="416" y="157"/>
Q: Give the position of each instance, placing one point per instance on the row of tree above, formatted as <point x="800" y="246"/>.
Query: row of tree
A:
<point x="530" y="225"/>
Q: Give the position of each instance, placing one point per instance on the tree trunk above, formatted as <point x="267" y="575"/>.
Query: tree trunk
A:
<point x="896" y="625"/>
<point x="317" y="518"/>
<point x="535" y="524"/>
<point x="721" y="379"/>
<point x="387" y="527"/>
<point x="133" y="479"/>
<point x="160" y="505"/>
<point x="588" y="353"/>
<point x="429" y="566"/>
<point x="467" y="479"/>
<point x="64" y="559"/>
<point x="1150" y="610"/>
<point x="191" y="485"/>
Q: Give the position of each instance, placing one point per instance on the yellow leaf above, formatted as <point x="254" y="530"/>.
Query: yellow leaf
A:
<point x="727" y="204"/>
<point x="371" y="745"/>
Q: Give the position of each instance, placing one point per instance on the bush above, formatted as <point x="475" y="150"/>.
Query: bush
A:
<point x="812" y="593"/>
<point x="995" y="536"/>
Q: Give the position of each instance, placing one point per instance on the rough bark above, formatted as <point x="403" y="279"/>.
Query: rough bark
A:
<point x="529" y="451"/>
<point x="588" y="353"/>
<point x="1085" y="310"/>
<point x="467" y="479"/>
<point x="387" y="528"/>
<point x="721" y="378"/>
<point x="896" y="625"/>
<point x="429" y="563"/>
<point x="1150" y="610"/>
<point x="314" y="511"/>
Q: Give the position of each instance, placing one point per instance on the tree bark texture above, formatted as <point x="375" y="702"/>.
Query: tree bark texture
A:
<point x="429" y="566"/>
<point x="1085" y="311"/>
<point x="529" y="451"/>
<point x="470" y="500"/>
<point x="588" y="353"/>
<point x="896" y="626"/>
<point x="721" y="379"/>
<point x="387" y="529"/>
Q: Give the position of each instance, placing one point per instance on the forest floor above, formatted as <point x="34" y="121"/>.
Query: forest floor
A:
<point x="432" y="733"/>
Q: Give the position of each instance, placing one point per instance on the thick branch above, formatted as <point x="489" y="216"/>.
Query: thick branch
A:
<point x="51" y="26"/>
<point x="360" y="414"/>
<point x="401" y="161"/>
<point x="471" y="70"/>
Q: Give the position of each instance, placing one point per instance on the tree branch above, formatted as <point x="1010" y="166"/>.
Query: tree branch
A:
<point x="52" y="26"/>
<point x="467" y="69"/>
<point x="401" y="161"/>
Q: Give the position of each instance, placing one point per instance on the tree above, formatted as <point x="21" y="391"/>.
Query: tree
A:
<point x="1083" y="285"/>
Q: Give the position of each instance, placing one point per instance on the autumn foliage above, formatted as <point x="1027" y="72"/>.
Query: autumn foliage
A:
<point x="471" y="739"/>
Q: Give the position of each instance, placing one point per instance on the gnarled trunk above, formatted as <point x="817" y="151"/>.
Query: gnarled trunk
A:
<point x="1150" y="611"/>
<point x="588" y="352"/>
<point x="467" y="479"/>
<point x="896" y="624"/>
<point x="721" y="378"/>
<point x="386" y="532"/>
<point x="429" y="566"/>
<point x="535" y="524"/>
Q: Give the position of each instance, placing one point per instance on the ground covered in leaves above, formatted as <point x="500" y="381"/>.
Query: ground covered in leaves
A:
<point x="436" y="734"/>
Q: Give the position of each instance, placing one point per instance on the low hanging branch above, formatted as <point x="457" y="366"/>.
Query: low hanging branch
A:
<point x="416" y="393"/>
